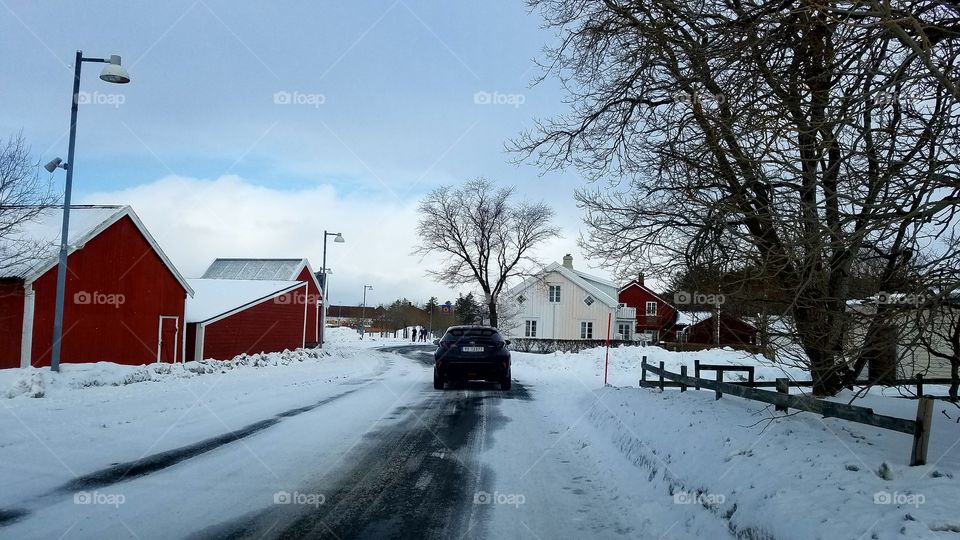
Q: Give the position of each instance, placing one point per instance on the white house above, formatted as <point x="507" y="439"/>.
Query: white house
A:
<point x="563" y="303"/>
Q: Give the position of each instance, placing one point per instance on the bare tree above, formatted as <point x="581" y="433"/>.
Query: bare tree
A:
<point x="23" y="195"/>
<point x="791" y="138"/>
<point x="485" y="237"/>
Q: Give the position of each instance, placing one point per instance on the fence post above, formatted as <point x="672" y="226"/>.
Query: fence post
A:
<point x="683" y="371"/>
<point x="750" y="376"/>
<point x="919" y="385"/>
<point x="696" y="373"/>
<point x="719" y="380"/>
<point x="643" y="370"/>
<point x="921" y="437"/>
<point x="661" y="375"/>
<point x="783" y="386"/>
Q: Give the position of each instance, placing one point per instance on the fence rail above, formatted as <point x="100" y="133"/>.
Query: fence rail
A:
<point x="783" y="400"/>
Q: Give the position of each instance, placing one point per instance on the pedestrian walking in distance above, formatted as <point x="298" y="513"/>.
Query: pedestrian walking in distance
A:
<point x="414" y="335"/>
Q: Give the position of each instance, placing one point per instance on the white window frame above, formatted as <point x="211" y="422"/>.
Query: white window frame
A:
<point x="621" y="327"/>
<point x="586" y="329"/>
<point x="654" y="305"/>
<point x="550" y="294"/>
<point x="530" y="328"/>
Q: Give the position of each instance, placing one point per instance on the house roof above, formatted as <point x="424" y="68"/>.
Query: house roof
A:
<point x="601" y="289"/>
<point x="42" y="235"/>
<point x="636" y="283"/>
<point x="689" y="318"/>
<point x="354" y="312"/>
<point x="214" y="298"/>
<point x="260" y="269"/>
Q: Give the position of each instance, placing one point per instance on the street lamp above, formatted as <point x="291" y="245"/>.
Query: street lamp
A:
<point x="112" y="73"/>
<point x="338" y="238"/>
<point x="363" y="310"/>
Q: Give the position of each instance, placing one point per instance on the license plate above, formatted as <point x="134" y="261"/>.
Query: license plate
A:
<point x="471" y="349"/>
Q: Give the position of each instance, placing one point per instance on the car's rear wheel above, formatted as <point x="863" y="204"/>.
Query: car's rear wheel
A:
<point x="437" y="381"/>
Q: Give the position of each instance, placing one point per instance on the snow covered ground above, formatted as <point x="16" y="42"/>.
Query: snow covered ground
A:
<point x="561" y="456"/>
<point x="766" y="475"/>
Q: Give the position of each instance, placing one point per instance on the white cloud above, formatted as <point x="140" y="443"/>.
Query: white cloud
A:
<point x="196" y="220"/>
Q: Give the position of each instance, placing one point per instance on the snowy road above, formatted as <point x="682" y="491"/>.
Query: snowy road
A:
<point x="380" y="456"/>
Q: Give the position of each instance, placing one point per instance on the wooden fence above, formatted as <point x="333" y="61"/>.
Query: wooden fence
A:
<point x="783" y="400"/>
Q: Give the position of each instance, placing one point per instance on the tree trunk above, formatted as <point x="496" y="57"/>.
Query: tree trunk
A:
<point x="954" y="377"/>
<point x="492" y="308"/>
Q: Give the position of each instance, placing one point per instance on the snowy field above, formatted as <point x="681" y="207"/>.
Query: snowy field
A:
<point x="570" y="457"/>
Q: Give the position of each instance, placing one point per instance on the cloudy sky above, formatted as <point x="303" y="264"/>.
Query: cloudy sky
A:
<point x="251" y="127"/>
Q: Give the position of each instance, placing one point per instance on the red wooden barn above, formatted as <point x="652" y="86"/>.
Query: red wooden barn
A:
<point x="124" y="300"/>
<point x="253" y="305"/>
<point x="655" y="316"/>
<point x="732" y="330"/>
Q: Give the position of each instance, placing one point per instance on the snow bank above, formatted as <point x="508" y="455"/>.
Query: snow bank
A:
<point x="767" y="475"/>
<point x="41" y="382"/>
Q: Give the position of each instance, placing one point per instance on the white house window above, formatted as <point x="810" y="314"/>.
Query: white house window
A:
<point x="530" y="329"/>
<point x="624" y="330"/>
<point x="521" y="299"/>
<point x="586" y="330"/>
<point x="588" y="300"/>
<point x="651" y="309"/>
<point x="554" y="293"/>
<point x="649" y="335"/>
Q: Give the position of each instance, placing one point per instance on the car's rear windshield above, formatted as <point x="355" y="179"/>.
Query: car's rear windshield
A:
<point x="471" y="332"/>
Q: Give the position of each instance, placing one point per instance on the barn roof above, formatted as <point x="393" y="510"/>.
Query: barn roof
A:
<point x="259" y="269"/>
<point x="41" y="236"/>
<point x="214" y="298"/>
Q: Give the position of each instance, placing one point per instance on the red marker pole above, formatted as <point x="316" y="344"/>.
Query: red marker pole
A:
<point x="606" y="362"/>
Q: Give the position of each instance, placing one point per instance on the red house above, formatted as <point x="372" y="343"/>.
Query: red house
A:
<point x="277" y="270"/>
<point x="731" y="330"/>
<point x="655" y="316"/>
<point x="228" y="317"/>
<point x="124" y="300"/>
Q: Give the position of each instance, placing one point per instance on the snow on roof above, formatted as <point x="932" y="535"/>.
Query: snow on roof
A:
<point x="260" y="269"/>
<point x="215" y="297"/>
<point x="689" y="318"/>
<point x="41" y="236"/>
<point x="602" y="289"/>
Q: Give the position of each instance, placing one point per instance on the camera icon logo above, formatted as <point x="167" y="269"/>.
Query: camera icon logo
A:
<point x="482" y="497"/>
<point x="82" y="298"/>
<point x="681" y="297"/>
<point x="882" y="497"/>
<point x="282" y="497"/>
<point x="282" y="98"/>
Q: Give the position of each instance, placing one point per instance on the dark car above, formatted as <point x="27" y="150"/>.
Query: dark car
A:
<point x="471" y="353"/>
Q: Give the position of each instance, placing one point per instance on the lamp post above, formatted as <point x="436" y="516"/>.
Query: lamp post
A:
<point x="363" y="310"/>
<point x="338" y="238"/>
<point x="112" y="73"/>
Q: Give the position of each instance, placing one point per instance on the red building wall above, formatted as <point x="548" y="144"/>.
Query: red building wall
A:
<point x="637" y="297"/>
<point x="117" y="288"/>
<point x="311" y="297"/>
<point x="270" y="326"/>
<point x="11" y="322"/>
